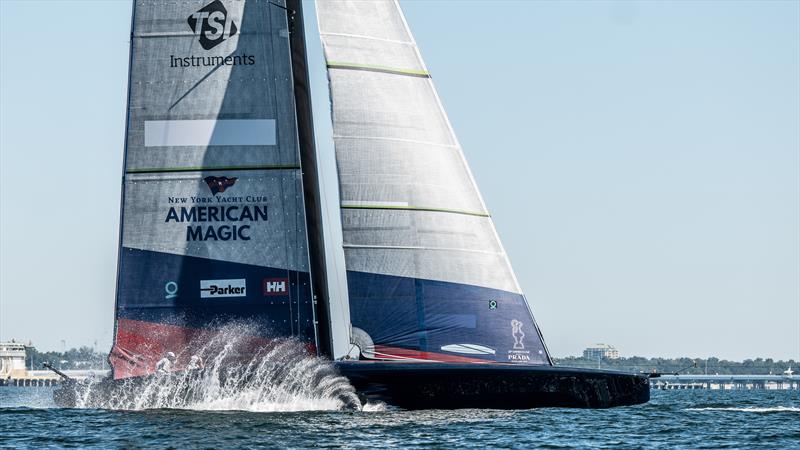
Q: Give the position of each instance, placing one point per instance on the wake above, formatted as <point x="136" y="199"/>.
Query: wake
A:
<point x="751" y="409"/>
<point x="235" y="376"/>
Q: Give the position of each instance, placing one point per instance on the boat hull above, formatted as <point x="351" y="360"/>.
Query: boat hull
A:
<point x="442" y="386"/>
<point x="501" y="386"/>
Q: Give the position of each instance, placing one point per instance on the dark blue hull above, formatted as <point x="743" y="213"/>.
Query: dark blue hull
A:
<point x="500" y="386"/>
<point x="449" y="386"/>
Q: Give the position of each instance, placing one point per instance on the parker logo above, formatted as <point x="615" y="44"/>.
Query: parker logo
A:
<point x="212" y="25"/>
<point x="275" y="286"/>
<point x="219" y="184"/>
<point x="223" y="288"/>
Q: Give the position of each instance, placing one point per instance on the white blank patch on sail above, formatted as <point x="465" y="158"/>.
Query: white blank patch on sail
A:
<point x="184" y="133"/>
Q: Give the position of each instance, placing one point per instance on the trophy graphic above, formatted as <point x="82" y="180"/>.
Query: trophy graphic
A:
<point x="516" y="331"/>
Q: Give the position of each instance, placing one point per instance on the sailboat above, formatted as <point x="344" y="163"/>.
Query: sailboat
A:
<point x="403" y="284"/>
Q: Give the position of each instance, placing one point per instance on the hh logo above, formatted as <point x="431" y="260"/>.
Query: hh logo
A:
<point x="212" y="25"/>
<point x="275" y="286"/>
<point x="219" y="184"/>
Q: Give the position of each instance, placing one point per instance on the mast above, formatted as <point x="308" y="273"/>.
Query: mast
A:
<point x="311" y="188"/>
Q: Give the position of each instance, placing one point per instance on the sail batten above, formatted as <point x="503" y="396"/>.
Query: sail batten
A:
<point x="370" y="38"/>
<point x="418" y="240"/>
<point x="417" y="208"/>
<point x="378" y="69"/>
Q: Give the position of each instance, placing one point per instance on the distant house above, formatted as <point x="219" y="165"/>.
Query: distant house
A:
<point x="601" y="351"/>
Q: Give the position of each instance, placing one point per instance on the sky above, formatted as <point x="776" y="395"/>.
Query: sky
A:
<point x="641" y="161"/>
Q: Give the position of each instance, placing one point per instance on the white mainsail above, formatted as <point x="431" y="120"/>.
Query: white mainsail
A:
<point x="427" y="274"/>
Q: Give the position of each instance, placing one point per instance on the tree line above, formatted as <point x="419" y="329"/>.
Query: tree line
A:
<point x="75" y="358"/>
<point x="689" y="366"/>
<point x="87" y="358"/>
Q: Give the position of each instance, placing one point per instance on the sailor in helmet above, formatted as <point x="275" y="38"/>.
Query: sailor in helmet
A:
<point x="164" y="365"/>
<point x="195" y="363"/>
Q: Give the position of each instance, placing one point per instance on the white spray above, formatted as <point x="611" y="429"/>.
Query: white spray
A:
<point x="235" y="376"/>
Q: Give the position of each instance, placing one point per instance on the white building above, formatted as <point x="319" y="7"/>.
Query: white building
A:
<point x="601" y="351"/>
<point x="12" y="360"/>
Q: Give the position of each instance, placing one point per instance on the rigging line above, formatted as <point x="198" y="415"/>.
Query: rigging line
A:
<point x="380" y="69"/>
<point x="283" y="8"/>
<point x="222" y="63"/>
<point x="416" y="208"/>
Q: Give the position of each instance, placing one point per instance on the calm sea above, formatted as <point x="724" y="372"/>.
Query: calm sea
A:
<point x="672" y="419"/>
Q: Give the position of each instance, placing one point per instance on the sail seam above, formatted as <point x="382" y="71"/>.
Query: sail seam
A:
<point x="211" y="169"/>
<point x="413" y="247"/>
<point x="380" y="138"/>
<point x="361" y="36"/>
<point x="415" y="208"/>
<point x="379" y="69"/>
<point x="160" y="34"/>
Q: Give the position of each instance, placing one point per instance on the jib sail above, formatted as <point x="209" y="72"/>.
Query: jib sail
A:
<point x="213" y="224"/>
<point x="427" y="276"/>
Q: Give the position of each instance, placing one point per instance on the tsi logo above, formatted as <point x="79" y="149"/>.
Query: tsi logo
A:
<point x="275" y="286"/>
<point x="212" y="25"/>
<point x="223" y="288"/>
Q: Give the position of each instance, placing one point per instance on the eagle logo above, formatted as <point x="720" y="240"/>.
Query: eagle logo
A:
<point x="219" y="184"/>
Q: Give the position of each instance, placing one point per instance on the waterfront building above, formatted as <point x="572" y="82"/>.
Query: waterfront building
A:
<point x="601" y="351"/>
<point x="12" y="360"/>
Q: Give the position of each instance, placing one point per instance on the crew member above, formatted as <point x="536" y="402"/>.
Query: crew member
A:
<point x="164" y="365"/>
<point x="195" y="363"/>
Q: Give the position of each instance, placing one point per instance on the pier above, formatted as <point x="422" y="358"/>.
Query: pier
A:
<point x="48" y="378"/>
<point x="725" y="382"/>
<point x="13" y="371"/>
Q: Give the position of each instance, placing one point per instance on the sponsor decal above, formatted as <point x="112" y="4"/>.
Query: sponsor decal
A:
<point x="492" y="304"/>
<point x="468" y="349"/>
<point x="219" y="184"/>
<point x="212" y="25"/>
<point x="171" y="289"/>
<point x="518" y="353"/>
<point x="212" y="61"/>
<point x="516" y="331"/>
<point x="223" y="288"/>
<point x="231" y="211"/>
<point x="275" y="286"/>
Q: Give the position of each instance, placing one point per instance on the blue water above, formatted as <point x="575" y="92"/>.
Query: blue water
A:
<point x="672" y="419"/>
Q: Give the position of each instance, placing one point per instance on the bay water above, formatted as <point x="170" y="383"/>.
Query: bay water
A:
<point x="672" y="419"/>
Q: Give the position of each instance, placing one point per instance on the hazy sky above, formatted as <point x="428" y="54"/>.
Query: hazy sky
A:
<point x="641" y="161"/>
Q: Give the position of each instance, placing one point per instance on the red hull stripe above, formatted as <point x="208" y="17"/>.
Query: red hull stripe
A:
<point x="140" y="345"/>
<point x="397" y="353"/>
